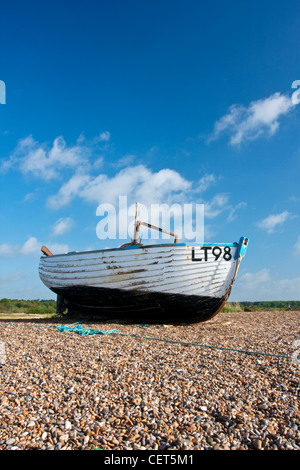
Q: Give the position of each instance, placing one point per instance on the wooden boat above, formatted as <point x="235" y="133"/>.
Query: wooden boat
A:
<point x="170" y="282"/>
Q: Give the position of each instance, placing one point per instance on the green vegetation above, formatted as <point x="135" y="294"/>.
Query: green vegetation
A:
<point x="49" y="306"/>
<point x="233" y="307"/>
<point x="262" y="305"/>
<point x="27" y="306"/>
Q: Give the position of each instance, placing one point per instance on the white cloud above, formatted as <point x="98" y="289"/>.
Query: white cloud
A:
<point x="46" y="162"/>
<point x="272" y="221"/>
<point x="294" y="199"/>
<point x="32" y="247"/>
<point x="260" y="118"/>
<point x="217" y="205"/>
<point x="233" y="211"/>
<point x="262" y="286"/>
<point x="127" y="160"/>
<point x="140" y="184"/>
<point x="255" y="280"/>
<point x="62" y="226"/>
<point x="297" y="246"/>
<point x="68" y="191"/>
<point x="7" y="250"/>
<point x="206" y="182"/>
<point x="137" y="182"/>
<point x="30" y="157"/>
<point x="29" y="197"/>
<point x="102" y="137"/>
<point x="163" y="186"/>
<point x="9" y="278"/>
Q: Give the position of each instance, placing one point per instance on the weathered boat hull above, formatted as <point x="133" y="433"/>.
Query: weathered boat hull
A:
<point x="139" y="306"/>
<point x="158" y="283"/>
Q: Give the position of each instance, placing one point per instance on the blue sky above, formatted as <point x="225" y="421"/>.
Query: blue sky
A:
<point x="161" y="101"/>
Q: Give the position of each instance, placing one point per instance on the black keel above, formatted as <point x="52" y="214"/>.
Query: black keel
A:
<point x="137" y="305"/>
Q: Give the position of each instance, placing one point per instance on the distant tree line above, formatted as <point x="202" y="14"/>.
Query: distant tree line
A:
<point x="27" y="306"/>
<point x="49" y="306"/>
<point x="261" y="305"/>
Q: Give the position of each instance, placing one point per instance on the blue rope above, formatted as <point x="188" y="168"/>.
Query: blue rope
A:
<point x="183" y="343"/>
<point x="77" y="328"/>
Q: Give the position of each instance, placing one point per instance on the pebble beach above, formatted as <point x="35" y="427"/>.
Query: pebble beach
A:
<point x="231" y="383"/>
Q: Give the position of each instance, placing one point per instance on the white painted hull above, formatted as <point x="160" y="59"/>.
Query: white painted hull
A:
<point x="173" y="271"/>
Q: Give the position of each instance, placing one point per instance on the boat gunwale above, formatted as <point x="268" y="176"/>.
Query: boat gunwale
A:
<point x="136" y="247"/>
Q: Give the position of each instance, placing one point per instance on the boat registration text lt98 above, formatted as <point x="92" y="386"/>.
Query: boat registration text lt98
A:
<point x="217" y="252"/>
